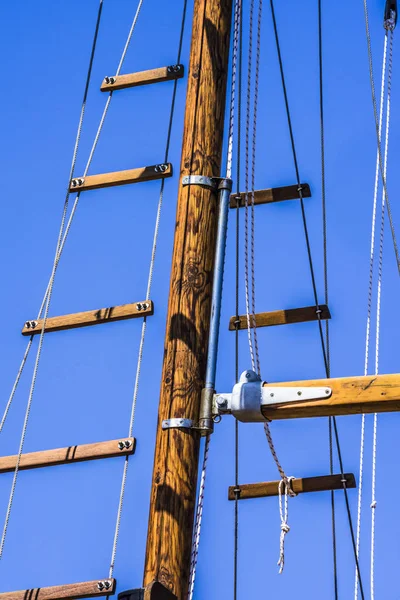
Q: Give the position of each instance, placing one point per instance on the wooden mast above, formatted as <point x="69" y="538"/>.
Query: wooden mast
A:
<point x="173" y="494"/>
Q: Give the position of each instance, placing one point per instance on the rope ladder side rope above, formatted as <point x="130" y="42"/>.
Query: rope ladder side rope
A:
<point x="63" y="234"/>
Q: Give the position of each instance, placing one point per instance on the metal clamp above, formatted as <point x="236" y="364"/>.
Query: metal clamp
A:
<point x="249" y="396"/>
<point x="174" y="68"/>
<point x="214" y="183"/>
<point x="177" y="424"/>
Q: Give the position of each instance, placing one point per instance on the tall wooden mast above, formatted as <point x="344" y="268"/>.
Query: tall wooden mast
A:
<point x="173" y="492"/>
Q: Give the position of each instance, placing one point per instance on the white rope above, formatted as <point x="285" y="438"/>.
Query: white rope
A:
<point x="199" y="517"/>
<point x="73" y="210"/>
<point x="232" y="112"/>
<point x="378" y="312"/>
<point x="148" y="292"/>
<point x="47" y="298"/>
<point x="250" y="318"/>
<point x="284" y="513"/>
<point x="378" y="308"/>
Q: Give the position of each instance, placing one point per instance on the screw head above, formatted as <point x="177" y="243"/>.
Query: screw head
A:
<point x="121" y="445"/>
<point x="299" y="393"/>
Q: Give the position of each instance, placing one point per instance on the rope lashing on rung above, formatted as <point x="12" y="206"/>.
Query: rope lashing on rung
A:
<point x="285" y="490"/>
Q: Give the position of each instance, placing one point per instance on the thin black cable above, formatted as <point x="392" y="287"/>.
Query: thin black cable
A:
<point x="326" y="286"/>
<point x="289" y="119"/>
<point x="237" y="275"/>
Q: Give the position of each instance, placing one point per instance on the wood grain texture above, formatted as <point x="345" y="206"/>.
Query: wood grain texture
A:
<point x="282" y="317"/>
<point x="142" y="78"/>
<point x="87" y="589"/>
<point x="156" y="591"/>
<point x="303" y="485"/>
<point x="173" y="493"/>
<point x="103" y="180"/>
<point x="91" y="317"/>
<point x="278" y="194"/>
<point x="350" y="396"/>
<point x="63" y="456"/>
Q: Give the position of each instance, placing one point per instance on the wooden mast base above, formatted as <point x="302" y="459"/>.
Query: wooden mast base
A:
<point x="323" y="483"/>
<point x="153" y="591"/>
<point x="87" y="589"/>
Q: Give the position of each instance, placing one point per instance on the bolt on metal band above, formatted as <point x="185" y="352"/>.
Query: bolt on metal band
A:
<point x="104" y="585"/>
<point x="160" y="168"/>
<point x="77" y="182"/>
<point x="174" y="68"/>
<point x="142" y="306"/>
<point x="124" y="444"/>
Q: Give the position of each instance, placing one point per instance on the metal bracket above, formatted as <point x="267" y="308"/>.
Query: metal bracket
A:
<point x="177" y="424"/>
<point x="250" y="395"/>
<point x="214" y="183"/>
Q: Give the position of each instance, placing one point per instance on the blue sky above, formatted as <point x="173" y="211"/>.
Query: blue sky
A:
<point x="63" y="519"/>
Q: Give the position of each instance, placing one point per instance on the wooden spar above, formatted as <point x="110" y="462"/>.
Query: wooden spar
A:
<point x="71" y="454"/>
<point x="173" y="494"/>
<point x="86" y="589"/>
<point x="95" y="182"/>
<point x="282" y="317"/>
<point x="121" y="82"/>
<point x="288" y="192"/>
<point x="350" y="396"/>
<point x="144" y="308"/>
<point x="300" y="485"/>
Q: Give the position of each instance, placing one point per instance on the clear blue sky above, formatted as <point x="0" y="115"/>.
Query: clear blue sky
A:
<point x="62" y="524"/>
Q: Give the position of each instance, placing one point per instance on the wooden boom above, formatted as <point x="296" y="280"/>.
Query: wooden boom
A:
<point x="350" y="396"/>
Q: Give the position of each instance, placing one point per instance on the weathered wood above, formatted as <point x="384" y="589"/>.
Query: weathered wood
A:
<point x="71" y="454"/>
<point x="173" y="491"/>
<point x="103" y="180"/>
<point x="143" y="308"/>
<point x="350" y="396"/>
<point x="156" y="591"/>
<point x="282" y="317"/>
<point x="121" y="82"/>
<point x="278" y="194"/>
<point x="87" y="589"/>
<point x="323" y="483"/>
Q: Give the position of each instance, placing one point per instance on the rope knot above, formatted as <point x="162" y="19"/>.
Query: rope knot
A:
<point x="285" y="528"/>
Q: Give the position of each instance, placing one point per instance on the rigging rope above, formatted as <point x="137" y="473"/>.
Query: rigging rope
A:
<point x="63" y="234"/>
<point x="387" y="64"/>
<point x="237" y="290"/>
<point x="326" y="281"/>
<point x="148" y="291"/>
<point x="71" y="174"/>
<point x="378" y="138"/>
<point x="313" y="281"/>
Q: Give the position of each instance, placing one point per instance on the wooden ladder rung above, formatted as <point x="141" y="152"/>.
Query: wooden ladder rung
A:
<point x="282" y="317"/>
<point x="71" y="454"/>
<point x="86" y="589"/>
<point x="144" y="308"/>
<point x="94" y="182"/>
<point x="120" y="82"/>
<point x="323" y="483"/>
<point x="278" y="194"/>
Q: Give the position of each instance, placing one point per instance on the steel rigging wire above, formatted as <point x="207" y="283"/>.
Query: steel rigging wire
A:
<point x="310" y="260"/>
